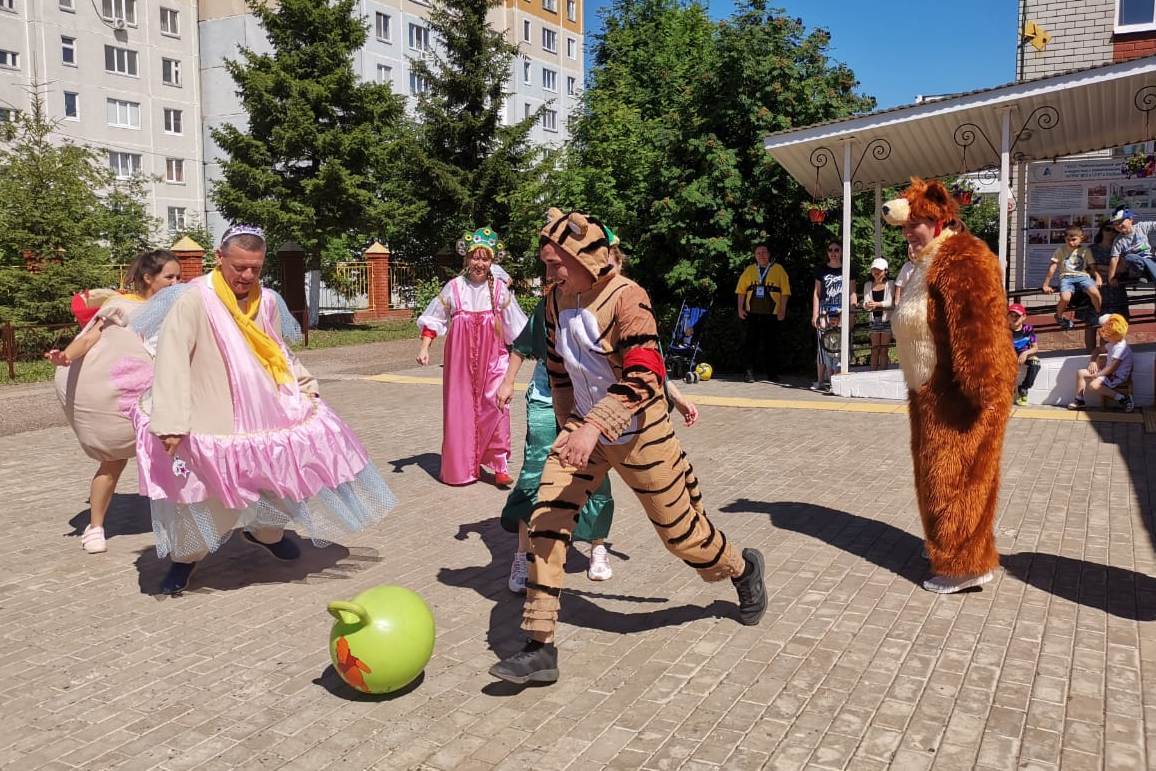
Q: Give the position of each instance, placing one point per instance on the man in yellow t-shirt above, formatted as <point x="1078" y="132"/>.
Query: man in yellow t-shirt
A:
<point x="762" y="294"/>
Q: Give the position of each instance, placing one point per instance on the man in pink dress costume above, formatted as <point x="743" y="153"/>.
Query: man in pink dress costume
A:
<point x="233" y="433"/>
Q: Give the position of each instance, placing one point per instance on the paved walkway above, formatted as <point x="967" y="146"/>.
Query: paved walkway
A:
<point x="853" y="667"/>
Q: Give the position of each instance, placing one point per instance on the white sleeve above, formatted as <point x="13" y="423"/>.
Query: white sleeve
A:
<point x="436" y="316"/>
<point x="513" y="318"/>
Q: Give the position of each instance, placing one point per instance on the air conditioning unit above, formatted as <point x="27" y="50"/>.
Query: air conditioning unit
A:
<point x="118" y="24"/>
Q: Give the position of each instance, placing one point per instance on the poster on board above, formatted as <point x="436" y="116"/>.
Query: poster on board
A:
<point x="1082" y="193"/>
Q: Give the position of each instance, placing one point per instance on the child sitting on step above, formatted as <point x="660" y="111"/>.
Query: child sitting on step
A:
<point x="1116" y="372"/>
<point x="1024" y="340"/>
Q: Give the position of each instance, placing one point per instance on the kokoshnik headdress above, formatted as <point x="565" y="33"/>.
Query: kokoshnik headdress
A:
<point x="482" y="238"/>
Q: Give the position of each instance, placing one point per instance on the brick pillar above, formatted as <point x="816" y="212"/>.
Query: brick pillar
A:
<point x="292" y="260"/>
<point x="191" y="256"/>
<point x="377" y="263"/>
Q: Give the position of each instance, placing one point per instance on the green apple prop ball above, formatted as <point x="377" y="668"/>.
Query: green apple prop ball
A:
<point x="382" y="640"/>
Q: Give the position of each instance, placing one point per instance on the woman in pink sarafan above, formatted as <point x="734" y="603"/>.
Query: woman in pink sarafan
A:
<point x="480" y="318"/>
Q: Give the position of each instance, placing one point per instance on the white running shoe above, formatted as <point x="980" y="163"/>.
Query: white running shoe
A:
<point x="519" y="570"/>
<point x="93" y="540"/>
<point x="599" y="564"/>
<point x="953" y="584"/>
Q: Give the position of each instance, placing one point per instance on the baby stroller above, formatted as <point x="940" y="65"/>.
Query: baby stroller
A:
<point x="682" y="353"/>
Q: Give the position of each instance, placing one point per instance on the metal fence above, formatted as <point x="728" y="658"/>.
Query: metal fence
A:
<point x="404" y="277"/>
<point x="349" y="290"/>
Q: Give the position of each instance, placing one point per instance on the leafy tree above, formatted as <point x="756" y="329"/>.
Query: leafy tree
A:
<point x="61" y="203"/>
<point x="324" y="158"/>
<point x="474" y="167"/>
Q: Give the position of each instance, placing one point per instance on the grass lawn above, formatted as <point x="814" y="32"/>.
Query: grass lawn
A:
<point x="28" y="372"/>
<point x="356" y="334"/>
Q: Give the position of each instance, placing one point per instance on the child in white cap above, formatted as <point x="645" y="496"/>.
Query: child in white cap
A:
<point x="878" y="301"/>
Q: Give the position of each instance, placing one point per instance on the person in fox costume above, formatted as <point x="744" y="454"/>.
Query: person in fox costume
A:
<point x="954" y="349"/>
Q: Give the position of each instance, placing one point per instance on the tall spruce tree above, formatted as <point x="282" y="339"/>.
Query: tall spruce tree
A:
<point x="324" y="160"/>
<point x="474" y="165"/>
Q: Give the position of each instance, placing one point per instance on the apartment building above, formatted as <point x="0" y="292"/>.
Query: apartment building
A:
<point x="547" y="73"/>
<point x="121" y="76"/>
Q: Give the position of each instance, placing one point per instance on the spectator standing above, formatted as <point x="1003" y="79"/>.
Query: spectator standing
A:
<point x="762" y="294"/>
<point x="878" y="301"/>
<point x="827" y="296"/>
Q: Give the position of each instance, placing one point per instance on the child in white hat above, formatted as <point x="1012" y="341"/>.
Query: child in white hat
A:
<point x="877" y="300"/>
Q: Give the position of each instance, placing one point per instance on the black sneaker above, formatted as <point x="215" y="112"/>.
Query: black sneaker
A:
<point x="284" y="550"/>
<point x="536" y="663"/>
<point x="750" y="378"/>
<point x="177" y="579"/>
<point x="752" y="591"/>
<point x="1127" y="403"/>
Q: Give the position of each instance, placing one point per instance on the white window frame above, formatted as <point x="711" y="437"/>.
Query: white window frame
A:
<point x="571" y="85"/>
<point x="11" y="60"/>
<point x="124" y="10"/>
<point x="550" y="6"/>
<point x="174" y="69"/>
<point x="550" y="120"/>
<point x="175" y="171"/>
<point x="527" y="72"/>
<point x="129" y="55"/>
<point x="67" y="43"/>
<point x="388" y="24"/>
<point x="417" y="84"/>
<point x="119" y="113"/>
<point x="388" y="72"/>
<point x="7" y="114"/>
<point x="75" y="104"/>
<point x="8" y="5"/>
<point x="527" y="31"/>
<point x="174" y="117"/>
<point x="547" y="35"/>
<point x="549" y="79"/>
<point x="174" y="16"/>
<point x="178" y="218"/>
<point x="572" y="10"/>
<point x="571" y="48"/>
<point x="68" y="6"/>
<point x="421" y="37"/>
<point x="1125" y="28"/>
<point x="124" y="159"/>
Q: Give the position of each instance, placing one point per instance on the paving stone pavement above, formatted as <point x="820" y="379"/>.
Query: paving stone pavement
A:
<point x="854" y="665"/>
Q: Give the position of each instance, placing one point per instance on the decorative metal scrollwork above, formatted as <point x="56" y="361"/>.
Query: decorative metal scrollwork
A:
<point x="1045" y="117"/>
<point x="966" y="135"/>
<point x="880" y="150"/>
<point x="1145" y="101"/>
<point x="820" y="157"/>
<point x="989" y="174"/>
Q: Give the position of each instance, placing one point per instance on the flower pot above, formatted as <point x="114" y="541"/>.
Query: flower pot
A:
<point x="963" y="197"/>
<point x="816" y="215"/>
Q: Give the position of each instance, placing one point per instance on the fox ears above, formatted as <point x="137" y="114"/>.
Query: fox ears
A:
<point x="923" y="199"/>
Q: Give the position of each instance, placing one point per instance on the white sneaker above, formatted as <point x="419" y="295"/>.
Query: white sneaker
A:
<point x="519" y="570"/>
<point x="93" y="540"/>
<point x="953" y="584"/>
<point x="599" y="569"/>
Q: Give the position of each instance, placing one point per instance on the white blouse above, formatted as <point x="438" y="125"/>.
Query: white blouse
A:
<point x="474" y="297"/>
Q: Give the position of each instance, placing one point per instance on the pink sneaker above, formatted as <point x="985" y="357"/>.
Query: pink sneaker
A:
<point x="93" y="540"/>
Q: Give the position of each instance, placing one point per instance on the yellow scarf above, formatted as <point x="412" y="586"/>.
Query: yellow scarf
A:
<point x="265" y="348"/>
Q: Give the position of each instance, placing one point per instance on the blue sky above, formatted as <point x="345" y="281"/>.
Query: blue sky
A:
<point x="901" y="48"/>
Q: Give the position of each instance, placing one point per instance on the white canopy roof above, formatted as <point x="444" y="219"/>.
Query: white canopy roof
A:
<point x="1076" y="112"/>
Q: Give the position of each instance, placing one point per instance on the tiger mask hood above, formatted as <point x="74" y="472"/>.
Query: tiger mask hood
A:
<point x="582" y="237"/>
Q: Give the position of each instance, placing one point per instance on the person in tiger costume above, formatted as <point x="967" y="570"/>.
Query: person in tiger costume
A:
<point x="606" y="375"/>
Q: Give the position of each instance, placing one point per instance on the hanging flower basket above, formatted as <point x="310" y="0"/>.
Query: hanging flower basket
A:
<point x="964" y="192"/>
<point x="1139" y="165"/>
<point x="817" y="210"/>
<point x="816" y="216"/>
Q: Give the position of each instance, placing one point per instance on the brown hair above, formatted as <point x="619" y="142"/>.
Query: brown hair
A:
<point x="148" y="263"/>
<point x="1074" y="229"/>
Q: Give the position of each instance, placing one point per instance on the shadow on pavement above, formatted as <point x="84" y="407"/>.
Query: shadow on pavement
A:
<point x="238" y="564"/>
<point x="332" y="682"/>
<point x="127" y="515"/>
<point x="504" y="635"/>
<point x="429" y="462"/>
<point x="1118" y="591"/>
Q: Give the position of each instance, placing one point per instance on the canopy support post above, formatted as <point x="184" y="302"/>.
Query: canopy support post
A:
<point x="845" y="321"/>
<point x="1004" y="186"/>
<point x="878" y="221"/>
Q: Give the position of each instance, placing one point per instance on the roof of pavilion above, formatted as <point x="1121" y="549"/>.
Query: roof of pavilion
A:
<point x="1074" y="112"/>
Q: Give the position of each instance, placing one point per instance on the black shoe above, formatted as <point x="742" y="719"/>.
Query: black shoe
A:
<point x="536" y="663"/>
<point x="1127" y="404"/>
<point x="752" y="591"/>
<point x="177" y="579"/>
<point x="750" y="378"/>
<point x="284" y="550"/>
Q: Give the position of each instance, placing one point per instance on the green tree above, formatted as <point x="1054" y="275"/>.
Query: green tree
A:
<point x="61" y="203"/>
<point x="324" y="158"/>
<point x="474" y="166"/>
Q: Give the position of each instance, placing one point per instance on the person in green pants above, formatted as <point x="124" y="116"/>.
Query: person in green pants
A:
<point x="541" y="430"/>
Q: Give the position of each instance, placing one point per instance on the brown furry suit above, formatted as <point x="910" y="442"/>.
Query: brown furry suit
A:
<point x="956" y="353"/>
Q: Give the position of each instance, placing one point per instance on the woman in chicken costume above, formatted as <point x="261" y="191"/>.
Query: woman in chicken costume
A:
<point x="956" y="355"/>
